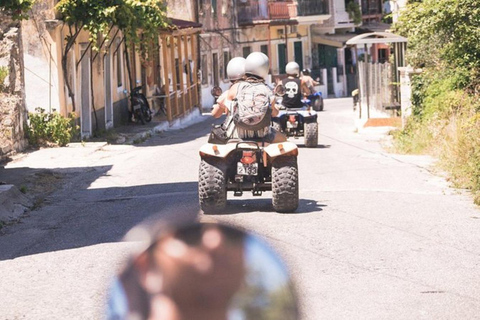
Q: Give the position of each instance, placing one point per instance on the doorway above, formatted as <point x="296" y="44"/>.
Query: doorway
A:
<point x="86" y="109"/>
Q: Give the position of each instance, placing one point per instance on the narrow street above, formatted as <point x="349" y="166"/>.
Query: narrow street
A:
<point x="376" y="235"/>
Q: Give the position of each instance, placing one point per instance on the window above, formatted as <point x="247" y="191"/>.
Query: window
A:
<point x="214" y="7"/>
<point x="246" y="51"/>
<point x="226" y="59"/>
<point x="264" y="49"/>
<point x="119" y="64"/>
<point x="215" y="69"/>
<point x="204" y="69"/>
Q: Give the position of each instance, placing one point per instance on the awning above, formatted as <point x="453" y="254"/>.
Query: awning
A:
<point x="376" y="37"/>
<point x="333" y="40"/>
<point x="182" y="27"/>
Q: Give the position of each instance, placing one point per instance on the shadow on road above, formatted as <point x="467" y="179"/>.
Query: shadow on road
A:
<point x="239" y="206"/>
<point x="75" y="216"/>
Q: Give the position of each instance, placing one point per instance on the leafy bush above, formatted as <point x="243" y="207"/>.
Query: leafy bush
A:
<point x="45" y="128"/>
<point x="3" y="76"/>
<point x="445" y="97"/>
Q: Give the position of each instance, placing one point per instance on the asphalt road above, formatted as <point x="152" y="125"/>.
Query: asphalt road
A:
<point x="376" y="235"/>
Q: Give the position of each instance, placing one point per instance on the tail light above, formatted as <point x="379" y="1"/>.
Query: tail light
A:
<point x="291" y="118"/>
<point x="248" y="157"/>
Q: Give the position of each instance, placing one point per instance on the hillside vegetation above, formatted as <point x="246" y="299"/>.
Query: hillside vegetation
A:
<point x="443" y="40"/>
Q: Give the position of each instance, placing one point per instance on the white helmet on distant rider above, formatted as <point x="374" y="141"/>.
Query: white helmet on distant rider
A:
<point x="236" y="68"/>
<point x="292" y="69"/>
<point x="257" y="64"/>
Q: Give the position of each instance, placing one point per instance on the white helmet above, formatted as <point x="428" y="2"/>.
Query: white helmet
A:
<point x="257" y="64"/>
<point x="236" y="68"/>
<point x="292" y="68"/>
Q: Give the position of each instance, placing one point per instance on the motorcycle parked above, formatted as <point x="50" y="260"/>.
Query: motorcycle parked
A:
<point x="297" y="122"/>
<point x="140" y="106"/>
<point x="248" y="165"/>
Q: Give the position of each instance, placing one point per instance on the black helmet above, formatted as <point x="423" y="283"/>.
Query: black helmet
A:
<point x="306" y="71"/>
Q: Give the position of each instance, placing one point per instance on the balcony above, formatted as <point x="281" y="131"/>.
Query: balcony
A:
<point x="312" y="7"/>
<point x="282" y="10"/>
<point x="252" y="12"/>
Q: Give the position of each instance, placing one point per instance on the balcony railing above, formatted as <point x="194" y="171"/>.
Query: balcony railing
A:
<point x="251" y="11"/>
<point x="280" y="10"/>
<point x="371" y="7"/>
<point x="312" y="7"/>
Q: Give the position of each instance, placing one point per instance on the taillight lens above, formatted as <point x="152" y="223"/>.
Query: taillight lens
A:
<point x="291" y="119"/>
<point x="248" y="157"/>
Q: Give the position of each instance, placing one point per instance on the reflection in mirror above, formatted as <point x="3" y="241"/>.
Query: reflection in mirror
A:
<point x="216" y="91"/>
<point x="204" y="271"/>
<point x="280" y="90"/>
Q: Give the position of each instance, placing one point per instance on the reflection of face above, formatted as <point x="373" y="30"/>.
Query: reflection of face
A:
<point x="205" y="271"/>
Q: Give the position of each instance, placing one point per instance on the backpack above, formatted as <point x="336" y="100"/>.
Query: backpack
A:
<point x="252" y="110"/>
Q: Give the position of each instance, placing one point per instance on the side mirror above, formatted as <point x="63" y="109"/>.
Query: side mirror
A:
<point x="204" y="270"/>
<point x="216" y="92"/>
<point x="279" y="90"/>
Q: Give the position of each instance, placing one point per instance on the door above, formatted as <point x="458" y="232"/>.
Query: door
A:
<point x="298" y="51"/>
<point x="282" y="58"/>
<point x="107" y="72"/>
<point x="215" y="70"/>
<point x="86" y="110"/>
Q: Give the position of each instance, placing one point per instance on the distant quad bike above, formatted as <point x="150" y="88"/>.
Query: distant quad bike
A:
<point x="248" y="165"/>
<point x="297" y="122"/>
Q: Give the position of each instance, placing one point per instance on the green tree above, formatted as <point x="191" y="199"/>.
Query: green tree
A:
<point x="17" y="9"/>
<point x="138" y="20"/>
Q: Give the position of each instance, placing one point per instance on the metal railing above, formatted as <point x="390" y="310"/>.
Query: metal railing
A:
<point x="252" y="10"/>
<point x="280" y="10"/>
<point x="312" y="7"/>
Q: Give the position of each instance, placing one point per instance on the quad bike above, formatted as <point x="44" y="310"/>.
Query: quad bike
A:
<point x="297" y="122"/>
<point x="248" y="165"/>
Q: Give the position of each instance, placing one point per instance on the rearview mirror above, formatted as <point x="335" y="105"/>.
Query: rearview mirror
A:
<point x="279" y="90"/>
<point x="204" y="271"/>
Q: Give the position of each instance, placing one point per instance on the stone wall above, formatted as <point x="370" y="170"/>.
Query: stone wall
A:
<point x="13" y="114"/>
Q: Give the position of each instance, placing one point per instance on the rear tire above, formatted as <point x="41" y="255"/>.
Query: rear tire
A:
<point x="147" y="115"/>
<point x="285" y="184"/>
<point x="212" y="185"/>
<point x="311" y="135"/>
<point x="317" y="104"/>
<point x="139" y="114"/>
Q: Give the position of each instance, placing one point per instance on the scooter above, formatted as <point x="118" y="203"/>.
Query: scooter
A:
<point x="248" y="165"/>
<point x="297" y="122"/>
<point x="140" y="106"/>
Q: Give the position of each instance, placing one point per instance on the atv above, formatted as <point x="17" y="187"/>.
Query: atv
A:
<point x="240" y="166"/>
<point x="297" y="122"/>
<point x="248" y="165"/>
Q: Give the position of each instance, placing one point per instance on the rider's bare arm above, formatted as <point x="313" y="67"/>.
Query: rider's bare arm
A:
<point x="275" y="110"/>
<point x="220" y="107"/>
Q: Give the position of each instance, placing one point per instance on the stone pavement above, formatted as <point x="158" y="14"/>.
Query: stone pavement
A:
<point x="29" y="177"/>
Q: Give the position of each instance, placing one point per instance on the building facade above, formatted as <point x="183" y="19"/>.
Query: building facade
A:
<point x="96" y="84"/>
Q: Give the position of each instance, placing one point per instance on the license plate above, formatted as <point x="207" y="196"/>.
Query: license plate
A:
<point x="247" y="169"/>
<point x="136" y="107"/>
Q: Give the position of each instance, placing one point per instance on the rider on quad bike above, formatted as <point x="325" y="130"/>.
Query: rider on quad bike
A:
<point x="257" y="159"/>
<point x="314" y="96"/>
<point x="296" y="118"/>
<point x="255" y="68"/>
